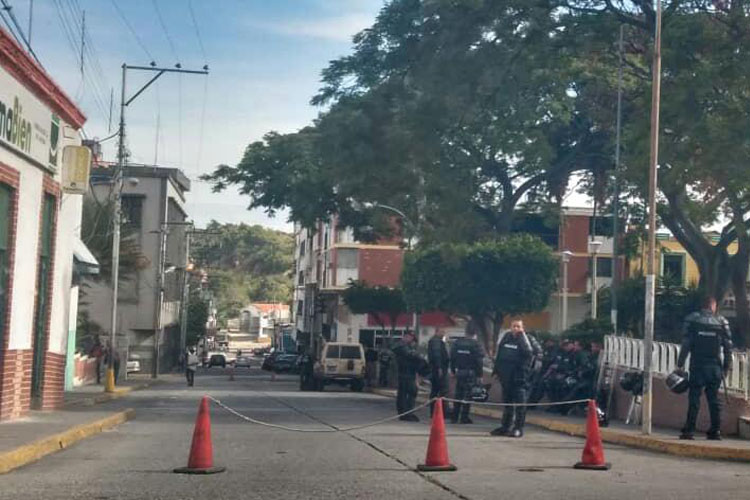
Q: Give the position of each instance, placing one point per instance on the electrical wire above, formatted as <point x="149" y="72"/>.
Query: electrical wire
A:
<point x="8" y="8"/>
<point x="166" y="32"/>
<point x="132" y="31"/>
<point x="197" y="31"/>
<point x="71" y="36"/>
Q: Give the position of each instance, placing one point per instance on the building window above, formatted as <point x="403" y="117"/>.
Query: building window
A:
<point x="132" y="210"/>
<point x="42" y="293"/>
<point x="300" y="308"/>
<point x="603" y="267"/>
<point x="301" y="278"/>
<point x="673" y="267"/>
<point x="302" y="248"/>
<point x="6" y="209"/>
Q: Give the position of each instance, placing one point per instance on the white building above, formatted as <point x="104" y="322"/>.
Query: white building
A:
<point x="39" y="229"/>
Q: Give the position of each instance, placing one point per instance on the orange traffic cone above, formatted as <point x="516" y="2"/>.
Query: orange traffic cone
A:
<point x="201" y="459"/>
<point x="593" y="452"/>
<point x="437" y="449"/>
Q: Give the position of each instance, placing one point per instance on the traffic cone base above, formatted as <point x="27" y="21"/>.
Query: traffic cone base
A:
<point x="200" y="460"/>
<point x="437" y="449"/>
<point x="210" y="470"/>
<point x="437" y="468"/>
<point x="604" y="466"/>
<point x="593" y="451"/>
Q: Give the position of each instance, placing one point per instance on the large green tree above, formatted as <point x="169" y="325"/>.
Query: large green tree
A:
<point x="385" y="304"/>
<point x="703" y="177"/>
<point x="455" y="112"/>
<point x="485" y="281"/>
<point x="245" y="264"/>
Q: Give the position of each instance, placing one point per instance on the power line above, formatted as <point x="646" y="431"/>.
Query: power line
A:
<point x="132" y="31"/>
<point x="166" y="32"/>
<point x="8" y="8"/>
<point x="71" y="35"/>
<point x="197" y="31"/>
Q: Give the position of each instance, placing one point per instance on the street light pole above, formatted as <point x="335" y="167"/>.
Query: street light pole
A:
<point x="566" y="254"/>
<point x="412" y="230"/>
<point x="650" y="269"/>
<point x="594" y="249"/>
<point x="117" y="202"/>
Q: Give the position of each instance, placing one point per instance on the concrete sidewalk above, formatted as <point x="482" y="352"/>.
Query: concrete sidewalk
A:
<point x="89" y="395"/>
<point x="661" y="440"/>
<point x="87" y="411"/>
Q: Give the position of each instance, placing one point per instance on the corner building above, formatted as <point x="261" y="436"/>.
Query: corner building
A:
<point x="39" y="229"/>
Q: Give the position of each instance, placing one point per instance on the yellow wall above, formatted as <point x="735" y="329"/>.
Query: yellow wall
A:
<point x="669" y="244"/>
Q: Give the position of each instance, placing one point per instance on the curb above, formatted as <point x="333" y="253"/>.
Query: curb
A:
<point x="104" y="397"/>
<point x="32" y="452"/>
<point x="676" y="448"/>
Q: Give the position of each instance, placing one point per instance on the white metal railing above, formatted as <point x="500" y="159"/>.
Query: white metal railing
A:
<point x="629" y="353"/>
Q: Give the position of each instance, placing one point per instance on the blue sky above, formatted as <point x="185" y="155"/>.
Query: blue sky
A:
<point x="265" y="58"/>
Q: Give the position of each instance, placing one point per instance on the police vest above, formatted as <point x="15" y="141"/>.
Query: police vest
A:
<point x="464" y="354"/>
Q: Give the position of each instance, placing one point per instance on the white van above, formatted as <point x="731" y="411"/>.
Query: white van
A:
<point x="341" y="363"/>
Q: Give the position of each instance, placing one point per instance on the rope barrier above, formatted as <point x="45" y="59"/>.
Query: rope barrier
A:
<point x="384" y="420"/>
<point x="514" y="405"/>
<point x="337" y="429"/>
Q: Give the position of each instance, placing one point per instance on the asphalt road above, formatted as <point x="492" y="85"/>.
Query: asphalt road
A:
<point x="135" y="460"/>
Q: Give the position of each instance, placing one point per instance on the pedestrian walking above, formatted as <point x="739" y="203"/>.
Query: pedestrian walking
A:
<point x="437" y="357"/>
<point x="110" y="351"/>
<point x="512" y="366"/>
<point x="97" y="352"/>
<point x="706" y="339"/>
<point x="409" y="363"/>
<point x="191" y="366"/>
<point x="467" y="358"/>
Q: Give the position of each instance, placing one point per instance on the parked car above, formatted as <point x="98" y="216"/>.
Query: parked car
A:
<point x="341" y="363"/>
<point x="284" y="362"/>
<point x="133" y="365"/>
<point x="243" y="361"/>
<point x="217" y="359"/>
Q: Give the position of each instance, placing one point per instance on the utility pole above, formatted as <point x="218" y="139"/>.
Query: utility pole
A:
<point x="650" y="269"/>
<point x="616" y="196"/>
<point x="185" y="295"/>
<point x="83" y="38"/>
<point x="158" y="329"/>
<point x="124" y="103"/>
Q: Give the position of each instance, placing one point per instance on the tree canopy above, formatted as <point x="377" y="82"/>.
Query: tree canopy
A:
<point x="485" y="281"/>
<point x="245" y="264"/>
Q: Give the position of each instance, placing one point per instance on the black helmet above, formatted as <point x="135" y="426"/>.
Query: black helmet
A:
<point x="632" y="382"/>
<point x="677" y="381"/>
<point x="480" y="393"/>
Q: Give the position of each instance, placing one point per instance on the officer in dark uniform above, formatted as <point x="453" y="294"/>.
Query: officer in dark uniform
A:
<point x="706" y="337"/>
<point x="437" y="357"/>
<point x="306" y="373"/>
<point x="409" y="363"/>
<point x="384" y="359"/>
<point x="466" y="364"/>
<point x="514" y="355"/>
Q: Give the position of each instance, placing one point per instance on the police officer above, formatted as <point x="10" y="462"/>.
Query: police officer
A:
<point x="466" y="364"/>
<point x="514" y="355"/>
<point x="384" y="359"/>
<point x="706" y="336"/>
<point x="307" y="371"/>
<point x="437" y="357"/>
<point x="409" y="363"/>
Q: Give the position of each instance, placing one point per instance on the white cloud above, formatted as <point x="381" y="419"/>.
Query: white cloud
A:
<point x="337" y="28"/>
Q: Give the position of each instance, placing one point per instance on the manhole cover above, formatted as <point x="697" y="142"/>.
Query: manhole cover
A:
<point x="530" y="469"/>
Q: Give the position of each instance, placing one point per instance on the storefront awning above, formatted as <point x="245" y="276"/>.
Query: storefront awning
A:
<point x="84" y="260"/>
